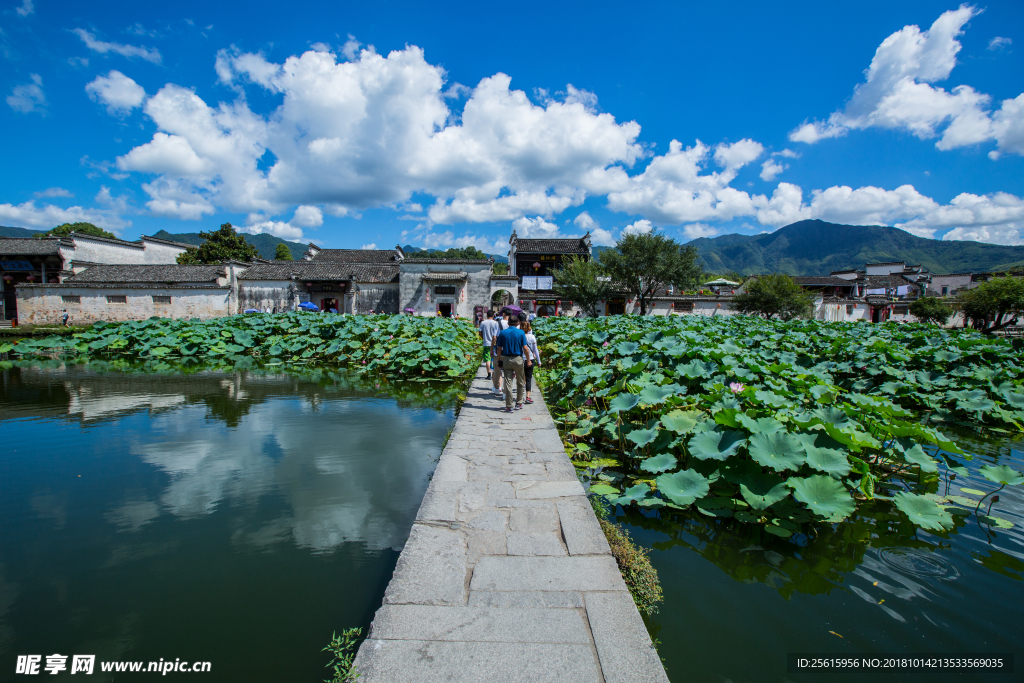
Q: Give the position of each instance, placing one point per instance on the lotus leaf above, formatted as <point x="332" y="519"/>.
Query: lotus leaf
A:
<point x="917" y="456"/>
<point x="659" y="463"/>
<point x="1002" y="474"/>
<point x="680" y="421"/>
<point x="683" y="487"/>
<point x="716" y="445"/>
<point x="627" y="348"/>
<point x="923" y="512"/>
<point x="623" y="402"/>
<point x="653" y="395"/>
<point x="602" y="489"/>
<point x="828" y="460"/>
<point x="762" y="425"/>
<point x="642" y="437"/>
<point x="633" y="494"/>
<point x="824" y="496"/>
<point x="779" y="450"/>
<point x="763" y="490"/>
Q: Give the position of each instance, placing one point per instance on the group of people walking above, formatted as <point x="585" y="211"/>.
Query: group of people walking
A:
<point x="512" y="354"/>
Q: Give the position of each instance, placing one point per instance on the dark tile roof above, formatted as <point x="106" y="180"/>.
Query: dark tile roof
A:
<point x="887" y="281"/>
<point x="108" y="240"/>
<point x="170" y="243"/>
<point x="886" y="263"/>
<point x="823" y="281"/>
<point x="29" y="246"/>
<point x="505" y="277"/>
<point x="560" y="246"/>
<point x="458" y="276"/>
<point x="467" y="261"/>
<point x="320" y="271"/>
<point x="357" y="255"/>
<point x="142" y="273"/>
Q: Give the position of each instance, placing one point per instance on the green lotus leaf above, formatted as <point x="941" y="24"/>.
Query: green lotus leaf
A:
<point x="778" y="531"/>
<point x="1014" y="398"/>
<point x="680" y="421"/>
<point x="770" y="398"/>
<point x="659" y="463"/>
<point x="923" y="512"/>
<point x="603" y="489"/>
<point x="627" y="348"/>
<point x="824" y="496"/>
<point x="779" y="450"/>
<point x="763" y="490"/>
<point x="998" y="522"/>
<point x="633" y="494"/>
<point x="694" y="369"/>
<point x="683" y="487"/>
<point x="828" y="460"/>
<point x="1002" y="474"/>
<point x="642" y="437"/>
<point x="653" y="395"/>
<point x="973" y="492"/>
<point x="917" y="456"/>
<point x="623" y="402"/>
<point x="762" y="425"/>
<point x="716" y="445"/>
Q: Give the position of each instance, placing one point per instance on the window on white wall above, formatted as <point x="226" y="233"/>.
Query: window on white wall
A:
<point x="159" y="299"/>
<point x="117" y="299"/>
<point x="71" y="298"/>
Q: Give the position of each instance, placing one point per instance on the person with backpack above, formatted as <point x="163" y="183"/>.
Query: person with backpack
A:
<point x="489" y="329"/>
<point x="532" y="360"/>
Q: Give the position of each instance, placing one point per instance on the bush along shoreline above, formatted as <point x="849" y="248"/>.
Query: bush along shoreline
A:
<point x="783" y="425"/>
<point x="398" y="347"/>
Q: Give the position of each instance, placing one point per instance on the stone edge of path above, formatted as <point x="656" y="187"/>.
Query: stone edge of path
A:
<point x="506" y="575"/>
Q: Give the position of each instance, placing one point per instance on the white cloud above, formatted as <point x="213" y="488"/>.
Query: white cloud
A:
<point x="308" y="217"/>
<point x="53" y="192"/>
<point x="45" y="217"/>
<point x="534" y="228"/>
<point x="371" y="245"/>
<point x="602" y="238"/>
<point x="26" y="8"/>
<point x="118" y="92"/>
<point x="640" y="227"/>
<point x="28" y="97"/>
<point x="997" y="43"/>
<point x="280" y="229"/>
<point x="738" y="154"/>
<point x="897" y="93"/>
<point x="584" y="221"/>
<point x="147" y="53"/>
<point x="174" y="199"/>
<point x="446" y="239"/>
<point x="770" y="169"/>
<point x="695" y="230"/>
<point x="788" y="153"/>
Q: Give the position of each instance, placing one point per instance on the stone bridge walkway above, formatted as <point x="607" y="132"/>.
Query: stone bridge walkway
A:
<point x="506" y="575"/>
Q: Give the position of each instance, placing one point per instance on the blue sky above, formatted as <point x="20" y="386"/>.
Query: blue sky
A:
<point x="380" y="123"/>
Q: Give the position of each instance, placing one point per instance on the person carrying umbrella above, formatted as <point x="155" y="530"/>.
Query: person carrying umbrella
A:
<point x="510" y="343"/>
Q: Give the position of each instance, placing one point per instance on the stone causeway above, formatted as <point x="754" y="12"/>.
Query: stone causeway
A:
<point x="506" y="575"/>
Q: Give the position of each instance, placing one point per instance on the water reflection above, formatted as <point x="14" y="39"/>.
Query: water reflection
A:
<point x="127" y="496"/>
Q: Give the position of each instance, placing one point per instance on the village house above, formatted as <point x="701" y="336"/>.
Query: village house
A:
<point x="533" y="261"/>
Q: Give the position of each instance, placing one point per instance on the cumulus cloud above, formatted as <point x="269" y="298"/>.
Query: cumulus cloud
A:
<point x="602" y="238"/>
<point x="53" y="192"/>
<point x="131" y="51"/>
<point x="738" y="154"/>
<point x="584" y="221"/>
<point x="28" y="97"/>
<point x="534" y="228"/>
<point x="118" y="92"/>
<point x="695" y="230"/>
<point x="371" y="245"/>
<point x="308" y="217"/>
<point x="45" y="217"/>
<point x="898" y="93"/>
<point x="27" y="8"/>
<point x="770" y="169"/>
<point x="640" y="227"/>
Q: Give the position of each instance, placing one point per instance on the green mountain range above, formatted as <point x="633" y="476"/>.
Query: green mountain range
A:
<point x="815" y="247"/>
<point x="266" y="245"/>
<point x="17" y="232"/>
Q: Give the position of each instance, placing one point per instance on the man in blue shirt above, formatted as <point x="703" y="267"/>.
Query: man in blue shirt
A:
<point x="510" y="345"/>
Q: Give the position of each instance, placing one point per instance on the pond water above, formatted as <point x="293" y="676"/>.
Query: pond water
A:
<point x="234" y="518"/>
<point x="737" y="602"/>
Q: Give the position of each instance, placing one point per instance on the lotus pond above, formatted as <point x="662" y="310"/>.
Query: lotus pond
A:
<point x="804" y="487"/>
<point x="205" y="513"/>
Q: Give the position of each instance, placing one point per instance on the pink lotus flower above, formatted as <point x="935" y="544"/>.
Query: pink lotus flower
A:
<point x="589" y="402"/>
<point x="736" y="387"/>
<point x="605" y="344"/>
<point x="364" y="362"/>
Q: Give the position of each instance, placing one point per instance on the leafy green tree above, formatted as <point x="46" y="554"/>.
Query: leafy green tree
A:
<point x="994" y="304"/>
<point x="645" y="263"/>
<point x="930" y="309"/>
<point x="222" y="245"/>
<point x="283" y="253"/>
<point x="776" y="295"/>
<point x="500" y="269"/>
<point x="65" y="229"/>
<point x="582" y="280"/>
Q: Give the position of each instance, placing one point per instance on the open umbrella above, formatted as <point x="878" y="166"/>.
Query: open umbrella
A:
<point x="309" y="306"/>
<point x="251" y="310"/>
<point x="512" y="307"/>
<point x="720" y="282"/>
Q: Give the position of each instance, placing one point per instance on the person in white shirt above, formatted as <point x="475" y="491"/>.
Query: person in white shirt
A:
<point x="489" y="329"/>
<point x="532" y="356"/>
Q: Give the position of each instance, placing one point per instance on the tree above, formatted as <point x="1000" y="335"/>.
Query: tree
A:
<point x="645" y="263"/>
<point x="65" y="229"/>
<point x="582" y="280"/>
<point x="500" y="269"/>
<point x="930" y="309"/>
<point x="774" y="295"/>
<point x="223" y="245"/>
<point x="994" y="304"/>
<point x="283" y="253"/>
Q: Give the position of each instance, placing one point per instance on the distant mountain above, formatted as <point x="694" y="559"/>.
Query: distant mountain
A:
<point x="17" y="232"/>
<point x="413" y="251"/>
<point x="266" y="245"/>
<point x="816" y="248"/>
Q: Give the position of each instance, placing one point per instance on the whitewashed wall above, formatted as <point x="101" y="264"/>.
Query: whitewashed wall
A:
<point x="413" y="290"/>
<point x="44" y="304"/>
<point x="157" y="253"/>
